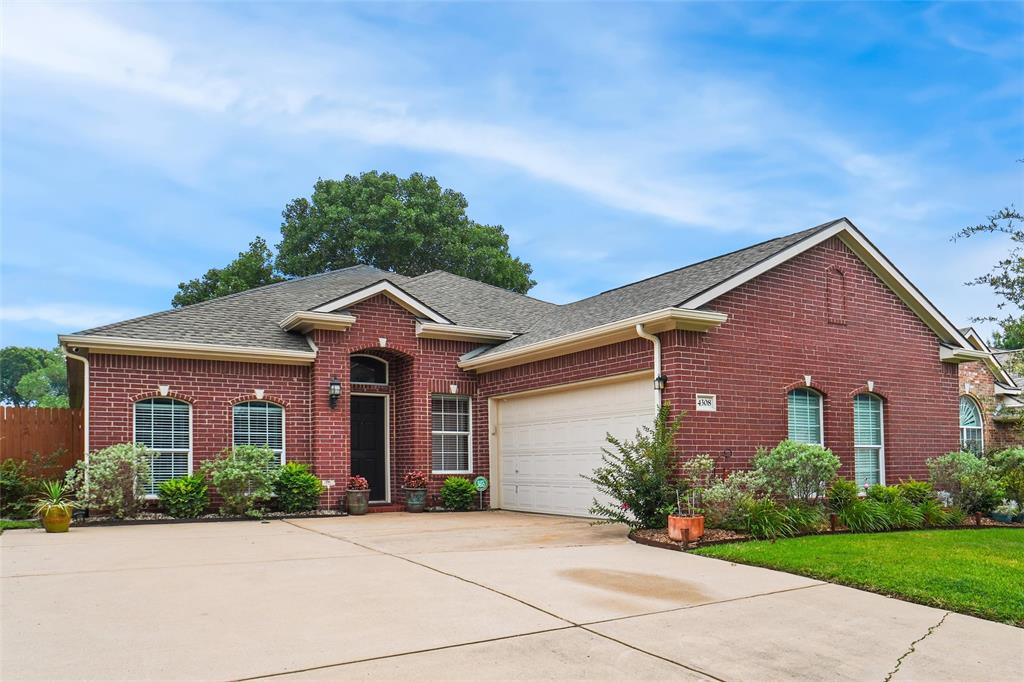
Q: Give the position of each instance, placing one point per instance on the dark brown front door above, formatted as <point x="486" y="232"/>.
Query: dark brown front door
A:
<point x="369" y="439"/>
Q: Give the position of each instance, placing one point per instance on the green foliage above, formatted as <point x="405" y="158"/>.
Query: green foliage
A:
<point x="636" y="475"/>
<point x="53" y="495"/>
<point x="185" y="497"/>
<point x="16" y="485"/>
<point x="841" y="494"/>
<point x="8" y="524"/>
<point x="883" y="493"/>
<point x="968" y="479"/>
<point x="33" y="376"/>
<point x="806" y="518"/>
<point x="764" y="518"/>
<point x="252" y="268"/>
<point x="408" y="225"/>
<point x="696" y="475"/>
<point x="797" y="470"/>
<point x="114" y="479"/>
<point x="1006" y="461"/>
<point x="865" y="516"/>
<point x="1013" y="485"/>
<point x="902" y="514"/>
<point x="457" y="493"/>
<point x="297" y="489"/>
<point x="244" y="476"/>
<point x="16" y="362"/>
<point x="725" y="500"/>
<point x="916" y="492"/>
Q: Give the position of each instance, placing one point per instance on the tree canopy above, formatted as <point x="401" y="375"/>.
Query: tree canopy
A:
<point x="253" y="268"/>
<point x="33" y="376"/>
<point x="408" y="225"/>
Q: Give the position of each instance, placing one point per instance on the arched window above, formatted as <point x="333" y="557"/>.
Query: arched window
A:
<point x="258" y="422"/>
<point x="366" y="369"/>
<point x="972" y="432"/>
<point x="805" y="416"/>
<point x="164" y="425"/>
<point x="868" y="439"/>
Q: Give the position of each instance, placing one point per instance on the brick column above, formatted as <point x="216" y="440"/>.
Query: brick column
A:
<point x="330" y="427"/>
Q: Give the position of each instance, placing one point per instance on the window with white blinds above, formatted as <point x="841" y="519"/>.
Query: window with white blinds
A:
<point x="164" y="425"/>
<point x="868" y="439"/>
<point x="258" y="422"/>
<point x="972" y="432"/>
<point x="450" y="433"/>
<point x="805" y="417"/>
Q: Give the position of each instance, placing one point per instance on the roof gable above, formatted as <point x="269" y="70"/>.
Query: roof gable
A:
<point x="393" y="292"/>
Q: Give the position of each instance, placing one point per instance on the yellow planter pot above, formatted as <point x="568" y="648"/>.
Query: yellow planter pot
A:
<point x="56" y="520"/>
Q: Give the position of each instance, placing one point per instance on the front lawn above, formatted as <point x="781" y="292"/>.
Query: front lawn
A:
<point x="8" y="524"/>
<point x="977" y="572"/>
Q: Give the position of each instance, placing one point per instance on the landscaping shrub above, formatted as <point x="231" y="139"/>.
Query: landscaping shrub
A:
<point x="797" y="470"/>
<point x="725" y="500"/>
<point x="883" y="493"/>
<point x="865" y="516"/>
<point x="916" y="492"/>
<point x="185" y="497"/>
<point x="114" y="480"/>
<point x="1013" y="486"/>
<point x="244" y="477"/>
<point x="297" y="489"/>
<point x="636" y="475"/>
<point x="768" y="520"/>
<point x="696" y="475"/>
<point x="806" y="518"/>
<point x="16" y="486"/>
<point x="1006" y="461"/>
<point x="457" y="493"/>
<point x="969" y="480"/>
<point x="902" y="514"/>
<point x="841" y="494"/>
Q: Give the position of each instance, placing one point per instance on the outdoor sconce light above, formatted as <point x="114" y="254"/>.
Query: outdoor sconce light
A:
<point x="659" y="382"/>
<point x="334" y="392"/>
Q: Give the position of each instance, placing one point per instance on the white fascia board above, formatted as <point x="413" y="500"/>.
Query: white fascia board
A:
<point x="871" y="257"/>
<point x="1001" y="389"/>
<point x="304" y="321"/>
<point x="976" y="341"/>
<point x="601" y="335"/>
<point x="116" y="345"/>
<point x="392" y="291"/>
<point x="958" y="355"/>
<point x="433" y="330"/>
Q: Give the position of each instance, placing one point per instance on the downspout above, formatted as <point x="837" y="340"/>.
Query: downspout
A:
<point x="653" y="338"/>
<point x="85" y="397"/>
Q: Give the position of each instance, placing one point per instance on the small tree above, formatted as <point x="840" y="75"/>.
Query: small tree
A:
<point x="637" y="475"/>
<point x="114" y="479"/>
<point x="244" y="476"/>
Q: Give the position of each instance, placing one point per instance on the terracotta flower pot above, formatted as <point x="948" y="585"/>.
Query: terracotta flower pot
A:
<point x="415" y="499"/>
<point x="678" y="524"/>
<point x="357" y="501"/>
<point x="56" y="520"/>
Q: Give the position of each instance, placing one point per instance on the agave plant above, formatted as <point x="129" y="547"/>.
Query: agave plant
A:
<point x="54" y="495"/>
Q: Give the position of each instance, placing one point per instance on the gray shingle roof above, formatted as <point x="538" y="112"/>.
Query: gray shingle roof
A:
<point x="251" y="318"/>
<point x="1005" y="358"/>
<point x="655" y="293"/>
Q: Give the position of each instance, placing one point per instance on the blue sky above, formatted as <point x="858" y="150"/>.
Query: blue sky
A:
<point x="145" y="143"/>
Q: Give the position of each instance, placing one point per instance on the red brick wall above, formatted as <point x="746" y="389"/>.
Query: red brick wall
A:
<point x="977" y="381"/>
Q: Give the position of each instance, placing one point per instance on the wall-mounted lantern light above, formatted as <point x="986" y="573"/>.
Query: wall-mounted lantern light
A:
<point x="660" y="382"/>
<point x="334" y="392"/>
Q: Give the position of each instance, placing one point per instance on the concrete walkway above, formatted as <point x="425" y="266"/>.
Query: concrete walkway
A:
<point x="481" y="596"/>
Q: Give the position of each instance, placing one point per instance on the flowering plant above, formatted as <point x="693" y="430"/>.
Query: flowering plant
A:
<point x="358" y="483"/>
<point x="414" y="480"/>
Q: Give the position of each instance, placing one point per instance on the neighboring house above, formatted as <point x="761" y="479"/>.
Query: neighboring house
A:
<point x="991" y="407"/>
<point x="814" y="336"/>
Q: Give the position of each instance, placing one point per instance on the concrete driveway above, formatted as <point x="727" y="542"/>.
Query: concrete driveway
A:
<point x="490" y="595"/>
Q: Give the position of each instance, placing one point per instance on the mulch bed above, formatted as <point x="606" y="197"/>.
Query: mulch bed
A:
<point x="719" y="536"/>
<point x="157" y="517"/>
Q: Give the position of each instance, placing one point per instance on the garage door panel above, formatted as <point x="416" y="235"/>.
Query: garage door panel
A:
<point x="547" y="441"/>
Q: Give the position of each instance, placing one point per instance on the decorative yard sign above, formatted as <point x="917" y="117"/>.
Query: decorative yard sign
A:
<point x="707" y="402"/>
<point x="480" y="483"/>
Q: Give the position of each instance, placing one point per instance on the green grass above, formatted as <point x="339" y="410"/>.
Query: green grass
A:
<point x="8" y="524"/>
<point x="977" y="572"/>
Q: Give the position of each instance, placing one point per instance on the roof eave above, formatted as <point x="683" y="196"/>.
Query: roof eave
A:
<point x="112" y="345"/>
<point x="303" y="321"/>
<point x="451" y="332"/>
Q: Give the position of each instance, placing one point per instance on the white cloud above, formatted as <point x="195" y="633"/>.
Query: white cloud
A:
<point x="65" y="316"/>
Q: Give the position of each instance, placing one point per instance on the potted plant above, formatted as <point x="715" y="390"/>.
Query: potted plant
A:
<point x="54" y="507"/>
<point x="688" y="521"/>
<point x="358" y="495"/>
<point x="415" y="485"/>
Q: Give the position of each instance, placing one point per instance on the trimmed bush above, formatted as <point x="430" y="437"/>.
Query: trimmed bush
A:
<point x="185" y="497"/>
<point x="114" y="480"/>
<point x="969" y="480"/>
<point x="297" y="489"/>
<point x="16" y="486"/>
<point x="244" y="477"/>
<point x="797" y="470"/>
<point x="457" y="493"/>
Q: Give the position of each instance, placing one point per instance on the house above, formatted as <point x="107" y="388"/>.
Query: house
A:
<point x="991" y="406"/>
<point x="814" y="336"/>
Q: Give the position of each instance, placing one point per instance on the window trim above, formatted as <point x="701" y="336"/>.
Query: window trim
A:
<point x="881" y="436"/>
<point x="980" y="428"/>
<point x="821" y="412"/>
<point x="191" y="441"/>
<point x="468" y="433"/>
<point x="387" y="370"/>
<point x="284" y="425"/>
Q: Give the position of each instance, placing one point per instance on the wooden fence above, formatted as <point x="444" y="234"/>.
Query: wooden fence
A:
<point x="51" y="439"/>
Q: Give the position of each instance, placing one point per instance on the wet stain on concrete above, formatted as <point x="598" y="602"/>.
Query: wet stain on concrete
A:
<point x="646" y="585"/>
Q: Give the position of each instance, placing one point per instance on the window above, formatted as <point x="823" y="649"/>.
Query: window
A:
<point x="972" y="433"/>
<point x="450" y="429"/>
<point x="258" y="422"/>
<point x="366" y="369"/>
<point x="164" y="425"/>
<point x="868" y="439"/>
<point x="805" y="417"/>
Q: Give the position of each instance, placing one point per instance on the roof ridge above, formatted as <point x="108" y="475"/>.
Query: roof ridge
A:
<point x="438" y="271"/>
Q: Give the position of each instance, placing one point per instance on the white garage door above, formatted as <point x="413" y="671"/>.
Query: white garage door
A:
<point x="545" y="441"/>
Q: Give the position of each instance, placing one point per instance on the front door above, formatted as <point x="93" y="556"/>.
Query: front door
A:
<point x="369" y="443"/>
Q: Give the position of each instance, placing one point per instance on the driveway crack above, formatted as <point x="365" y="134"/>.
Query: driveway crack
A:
<point x="913" y="646"/>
